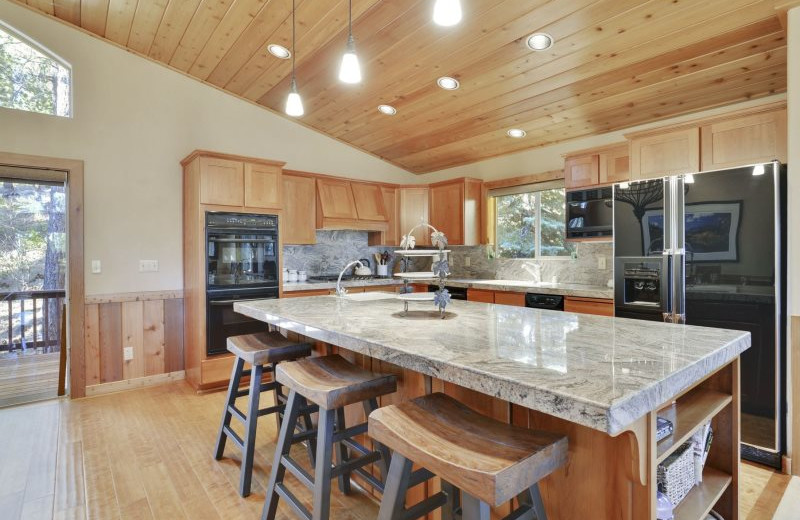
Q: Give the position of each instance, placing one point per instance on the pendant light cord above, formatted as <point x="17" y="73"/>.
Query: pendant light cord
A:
<point x="350" y="19"/>
<point x="294" y="53"/>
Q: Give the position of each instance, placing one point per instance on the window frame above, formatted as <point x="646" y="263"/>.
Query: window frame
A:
<point x="30" y="42"/>
<point x="536" y="189"/>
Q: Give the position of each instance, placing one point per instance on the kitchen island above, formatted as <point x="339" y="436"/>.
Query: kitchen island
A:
<point x="598" y="380"/>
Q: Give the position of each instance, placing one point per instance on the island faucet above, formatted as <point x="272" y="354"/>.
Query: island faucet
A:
<point x="341" y="291"/>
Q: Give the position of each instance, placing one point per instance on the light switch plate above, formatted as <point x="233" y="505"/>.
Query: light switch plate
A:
<point x="96" y="267"/>
<point x="127" y="353"/>
<point x="148" y="266"/>
<point x="467" y="261"/>
<point x="601" y="262"/>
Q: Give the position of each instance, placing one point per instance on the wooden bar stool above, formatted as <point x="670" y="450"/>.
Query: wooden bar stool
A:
<point x="488" y="461"/>
<point x="260" y="350"/>
<point x="331" y="382"/>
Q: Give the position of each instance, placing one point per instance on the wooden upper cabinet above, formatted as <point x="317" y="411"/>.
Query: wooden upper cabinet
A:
<point x="369" y="201"/>
<point x="413" y="209"/>
<point x="744" y="140"/>
<point x="455" y="210"/>
<point x="336" y="199"/>
<point x="665" y="153"/>
<point x="300" y="209"/>
<point x="262" y="185"/>
<point x="581" y="170"/>
<point x="615" y="165"/>
<point x="390" y="237"/>
<point x="221" y="182"/>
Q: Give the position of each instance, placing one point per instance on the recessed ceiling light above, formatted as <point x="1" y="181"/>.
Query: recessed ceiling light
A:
<point x="387" y="109"/>
<point x="517" y="133"/>
<point x="448" y="83"/>
<point x="539" y="41"/>
<point x="279" y="51"/>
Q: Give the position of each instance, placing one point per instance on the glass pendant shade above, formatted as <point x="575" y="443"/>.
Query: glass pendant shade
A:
<point x="447" y="12"/>
<point x="294" y="104"/>
<point x="350" y="70"/>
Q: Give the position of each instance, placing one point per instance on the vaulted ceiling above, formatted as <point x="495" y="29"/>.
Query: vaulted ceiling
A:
<point x="615" y="64"/>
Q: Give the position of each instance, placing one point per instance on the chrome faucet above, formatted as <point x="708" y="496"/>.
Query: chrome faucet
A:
<point x="341" y="291"/>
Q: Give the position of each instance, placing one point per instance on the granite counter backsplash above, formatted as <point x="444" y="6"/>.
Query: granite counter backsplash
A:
<point x="334" y="249"/>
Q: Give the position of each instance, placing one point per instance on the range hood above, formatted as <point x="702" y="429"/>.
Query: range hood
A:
<point x="343" y="204"/>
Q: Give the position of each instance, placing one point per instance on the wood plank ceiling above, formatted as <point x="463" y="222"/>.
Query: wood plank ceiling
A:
<point x="615" y="64"/>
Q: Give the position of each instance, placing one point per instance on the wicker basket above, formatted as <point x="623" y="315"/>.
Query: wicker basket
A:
<point x="675" y="476"/>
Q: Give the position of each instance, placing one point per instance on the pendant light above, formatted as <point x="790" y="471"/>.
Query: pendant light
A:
<point x="447" y="12"/>
<point x="350" y="70"/>
<point x="294" y="104"/>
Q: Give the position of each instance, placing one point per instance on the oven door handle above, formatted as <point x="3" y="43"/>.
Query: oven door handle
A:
<point x="242" y="240"/>
<point x="227" y="302"/>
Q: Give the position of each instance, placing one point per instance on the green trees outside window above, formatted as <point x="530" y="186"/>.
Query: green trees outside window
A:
<point x="32" y="80"/>
<point x="531" y="225"/>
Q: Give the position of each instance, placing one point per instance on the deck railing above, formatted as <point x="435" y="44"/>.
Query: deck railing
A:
<point x="31" y="320"/>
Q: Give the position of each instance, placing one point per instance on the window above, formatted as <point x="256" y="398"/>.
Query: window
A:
<point x="31" y="78"/>
<point x="530" y="222"/>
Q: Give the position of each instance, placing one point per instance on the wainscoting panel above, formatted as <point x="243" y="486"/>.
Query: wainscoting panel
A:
<point x="150" y="323"/>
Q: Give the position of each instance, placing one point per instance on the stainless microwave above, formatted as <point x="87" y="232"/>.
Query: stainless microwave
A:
<point x="590" y="213"/>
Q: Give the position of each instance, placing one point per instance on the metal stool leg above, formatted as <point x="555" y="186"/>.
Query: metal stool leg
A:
<point x="341" y="454"/>
<point x="386" y="457"/>
<point x="249" y="444"/>
<point x="473" y="509"/>
<point x="322" y="474"/>
<point x="394" y="495"/>
<point x="535" y="501"/>
<point x="233" y="388"/>
<point x="452" y="504"/>
<point x="282" y="448"/>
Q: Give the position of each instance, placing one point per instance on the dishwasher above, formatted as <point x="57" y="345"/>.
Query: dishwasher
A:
<point x="456" y="293"/>
<point x="553" y="302"/>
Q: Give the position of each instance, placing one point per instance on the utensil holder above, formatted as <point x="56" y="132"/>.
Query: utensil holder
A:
<point x="383" y="270"/>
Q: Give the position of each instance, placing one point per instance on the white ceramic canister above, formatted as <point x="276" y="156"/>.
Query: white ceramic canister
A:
<point x="292" y="275"/>
<point x="285" y="274"/>
<point x="302" y="276"/>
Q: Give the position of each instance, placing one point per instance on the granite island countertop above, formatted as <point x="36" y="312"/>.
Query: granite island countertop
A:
<point x="600" y="372"/>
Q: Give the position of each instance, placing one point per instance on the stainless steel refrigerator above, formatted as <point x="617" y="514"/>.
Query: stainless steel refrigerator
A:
<point x="707" y="249"/>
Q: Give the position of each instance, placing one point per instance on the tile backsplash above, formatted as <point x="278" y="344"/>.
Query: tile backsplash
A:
<point x="334" y="249"/>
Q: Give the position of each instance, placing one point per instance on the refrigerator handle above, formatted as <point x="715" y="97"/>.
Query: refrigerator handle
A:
<point x="678" y="267"/>
<point x="668" y="215"/>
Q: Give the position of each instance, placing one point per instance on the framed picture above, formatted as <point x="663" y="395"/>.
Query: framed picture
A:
<point x="712" y="231"/>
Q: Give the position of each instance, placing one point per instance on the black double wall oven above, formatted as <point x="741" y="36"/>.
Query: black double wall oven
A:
<point x="241" y="264"/>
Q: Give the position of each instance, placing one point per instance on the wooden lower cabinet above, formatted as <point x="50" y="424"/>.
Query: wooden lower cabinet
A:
<point x="480" y="295"/>
<point x="516" y="299"/>
<point x="500" y="297"/>
<point x="598" y="306"/>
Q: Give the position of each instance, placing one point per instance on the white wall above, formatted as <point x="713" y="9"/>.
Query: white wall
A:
<point x="134" y="120"/>
<point x="793" y="261"/>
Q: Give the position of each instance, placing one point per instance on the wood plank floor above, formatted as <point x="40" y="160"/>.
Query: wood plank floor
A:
<point x="28" y="378"/>
<point x="148" y="454"/>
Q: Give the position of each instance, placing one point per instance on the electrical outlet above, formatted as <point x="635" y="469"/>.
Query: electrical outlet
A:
<point x="96" y="267"/>
<point x="601" y="262"/>
<point x="148" y="266"/>
<point x="467" y="261"/>
<point x="127" y="353"/>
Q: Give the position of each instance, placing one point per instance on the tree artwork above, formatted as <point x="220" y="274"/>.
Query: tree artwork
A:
<point x="31" y="80"/>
